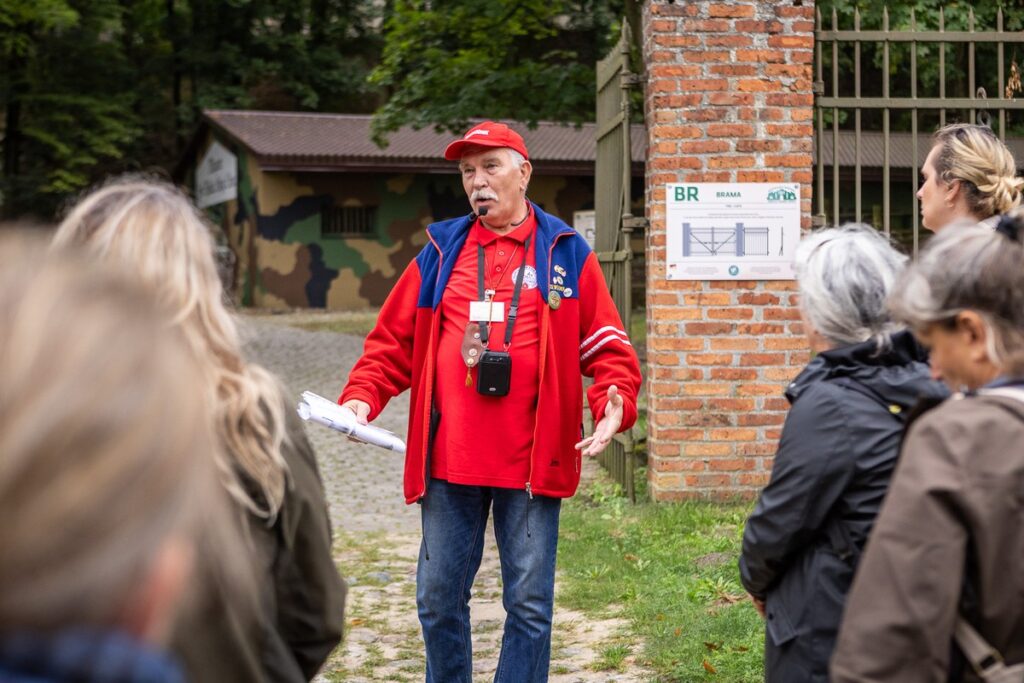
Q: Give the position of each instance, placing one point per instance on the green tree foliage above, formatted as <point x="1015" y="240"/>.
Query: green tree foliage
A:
<point x="288" y="54"/>
<point x="93" y="87"/>
<point x="55" y="127"/>
<point x="21" y="22"/>
<point x="446" y="61"/>
<point x="922" y="15"/>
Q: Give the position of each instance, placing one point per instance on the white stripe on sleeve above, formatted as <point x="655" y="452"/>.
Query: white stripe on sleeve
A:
<point x="598" y="334"/>
<point x="604" y="340"/>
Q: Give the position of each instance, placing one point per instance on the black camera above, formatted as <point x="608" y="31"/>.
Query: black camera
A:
<point x="494" y="373"/>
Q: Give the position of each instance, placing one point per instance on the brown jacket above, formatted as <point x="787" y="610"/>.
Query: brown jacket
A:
<point x="951" y="532"/>
<point x="301" y="599"/>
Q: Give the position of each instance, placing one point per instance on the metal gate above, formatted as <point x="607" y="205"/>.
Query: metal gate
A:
<point x="614" y="223"/>
<point x="957" y="84"/>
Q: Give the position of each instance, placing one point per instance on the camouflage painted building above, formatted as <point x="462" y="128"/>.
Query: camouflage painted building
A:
<point x="322" y="217"/>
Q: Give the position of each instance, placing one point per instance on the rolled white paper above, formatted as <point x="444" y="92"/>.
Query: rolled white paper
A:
<point x="318" y="409"/>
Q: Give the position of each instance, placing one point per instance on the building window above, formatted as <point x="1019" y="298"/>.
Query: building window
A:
<point x="348" y="221"/>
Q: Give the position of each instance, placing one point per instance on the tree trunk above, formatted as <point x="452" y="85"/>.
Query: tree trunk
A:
<point x="176" y="78"/>
<point x="195" y="39"/>
<point x="12" y="139"/>
<point x="12" y="135"/>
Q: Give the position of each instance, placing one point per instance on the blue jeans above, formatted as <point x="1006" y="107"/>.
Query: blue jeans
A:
<point x="454" y="519"/>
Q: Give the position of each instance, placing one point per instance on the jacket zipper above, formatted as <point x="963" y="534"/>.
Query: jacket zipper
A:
<point x="533" y="451"/>
<point x="430" y="389"/>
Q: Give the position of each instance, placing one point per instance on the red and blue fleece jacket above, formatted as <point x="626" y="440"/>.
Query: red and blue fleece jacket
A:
<point x="583" y="336"/>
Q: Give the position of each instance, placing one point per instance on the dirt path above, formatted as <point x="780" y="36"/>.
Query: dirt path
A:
<point x="377" y="537"/>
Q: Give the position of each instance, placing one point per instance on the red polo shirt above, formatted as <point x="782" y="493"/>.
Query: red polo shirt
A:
<point x="486" y="440"/>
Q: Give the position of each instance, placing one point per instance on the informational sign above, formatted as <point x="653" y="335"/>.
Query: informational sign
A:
<point x="583" y="221"/>
<point x="216" y="176"/>
<point x="731" y="231"/>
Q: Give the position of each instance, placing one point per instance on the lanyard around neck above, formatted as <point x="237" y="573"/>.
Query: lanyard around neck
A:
<point x="513" y="309"/>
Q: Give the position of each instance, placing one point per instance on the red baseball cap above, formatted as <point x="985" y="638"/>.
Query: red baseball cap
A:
<point x="486" y="134"/>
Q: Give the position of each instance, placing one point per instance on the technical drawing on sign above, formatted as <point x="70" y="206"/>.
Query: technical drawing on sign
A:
<point x="738" y="240"/>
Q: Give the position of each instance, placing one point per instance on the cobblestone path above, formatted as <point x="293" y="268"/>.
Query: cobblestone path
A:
<point x="377" y="535"/>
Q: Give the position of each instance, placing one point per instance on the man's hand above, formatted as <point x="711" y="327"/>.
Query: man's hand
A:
<point x="360" y="408"/>
<point x="758" y="605"/>
<point x="607" y="427"/>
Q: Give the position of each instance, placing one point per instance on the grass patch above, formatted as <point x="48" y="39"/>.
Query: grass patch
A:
<point x="374" y="659"/>
<point x="612" y="658"/>
<point x="357" y="552"/>
<point x="670" y="570"/>
<point x="357" y="323"/>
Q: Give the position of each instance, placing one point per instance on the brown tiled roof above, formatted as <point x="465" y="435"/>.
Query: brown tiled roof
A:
<point x="330" y="142"/>
<point x="901" y="149"/>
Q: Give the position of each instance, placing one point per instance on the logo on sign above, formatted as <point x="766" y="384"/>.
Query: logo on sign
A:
<point x="782" y="194"/>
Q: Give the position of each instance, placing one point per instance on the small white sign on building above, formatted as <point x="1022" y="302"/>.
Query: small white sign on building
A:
<point x="216" y="176"/>
<point x="731" y="231"/>
<point x="583" y="221"/>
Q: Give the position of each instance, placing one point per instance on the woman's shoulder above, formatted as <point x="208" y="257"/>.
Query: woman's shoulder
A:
<point x="969" y="427"/>
<point x="819" y="408"/>
<point x="300" y="456"/>
<point x="296" y="450"/>
<point x="961" y="413"/>
<point x="834" y="392"/>
<point x="303" y="485"/>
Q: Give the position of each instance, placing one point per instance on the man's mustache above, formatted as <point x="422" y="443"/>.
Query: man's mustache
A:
<point x="479" y="195"/>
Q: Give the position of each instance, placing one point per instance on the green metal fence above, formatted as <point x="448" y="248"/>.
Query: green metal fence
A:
<point x="613" y="222"/>
<point x="902" y="124"/>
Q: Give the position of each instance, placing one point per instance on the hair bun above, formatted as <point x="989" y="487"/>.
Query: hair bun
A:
<point x="1015" y="184"/>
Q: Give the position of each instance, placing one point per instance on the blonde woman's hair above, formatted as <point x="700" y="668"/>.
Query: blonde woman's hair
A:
<point x="156" y="230"/>
<point x="105" y="443"/>
<point x="976" y="157"/>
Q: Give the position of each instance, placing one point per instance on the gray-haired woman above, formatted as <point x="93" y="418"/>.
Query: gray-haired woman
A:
<point x="838" y="449"/>
<point x="950" y="538"/>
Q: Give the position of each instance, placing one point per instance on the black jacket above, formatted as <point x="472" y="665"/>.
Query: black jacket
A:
<point x="838" y="450"/>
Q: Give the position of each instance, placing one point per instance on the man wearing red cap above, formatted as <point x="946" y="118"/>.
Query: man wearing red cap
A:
<point x="492" y="327"/>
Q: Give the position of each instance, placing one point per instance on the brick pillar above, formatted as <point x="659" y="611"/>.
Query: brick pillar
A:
<point x="728" y="99"/>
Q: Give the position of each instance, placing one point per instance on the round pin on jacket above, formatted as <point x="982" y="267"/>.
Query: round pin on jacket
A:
<point x="554" y="300"/>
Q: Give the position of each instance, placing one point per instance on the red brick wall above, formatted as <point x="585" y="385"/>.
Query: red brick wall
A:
<point x="728" y="99"/>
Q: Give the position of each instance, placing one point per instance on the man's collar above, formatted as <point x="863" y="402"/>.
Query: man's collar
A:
<point x="485" y="236"/>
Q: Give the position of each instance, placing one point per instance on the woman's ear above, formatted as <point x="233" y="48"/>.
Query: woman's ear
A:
<point x="952" y="192"/>
<point x="975" y="332"/>
<point x="154" y="604"/>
